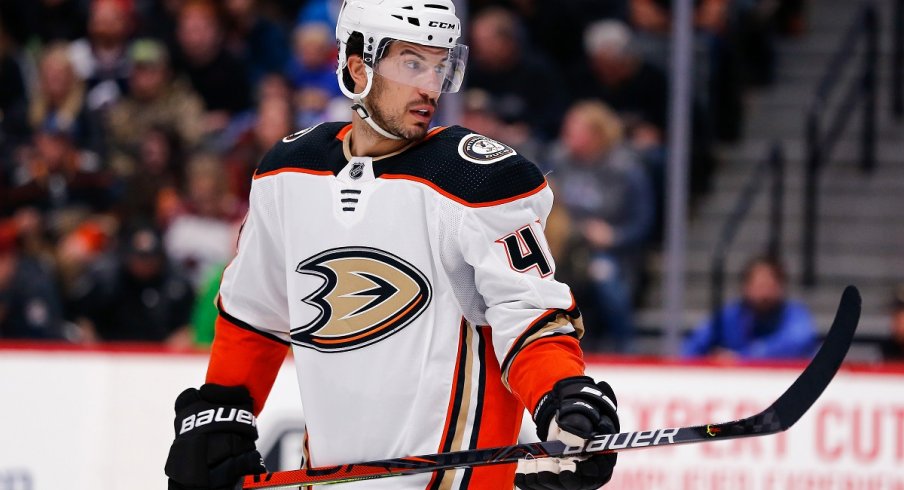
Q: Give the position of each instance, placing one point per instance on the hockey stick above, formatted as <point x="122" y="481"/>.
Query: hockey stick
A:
<point x="781" y="415"/>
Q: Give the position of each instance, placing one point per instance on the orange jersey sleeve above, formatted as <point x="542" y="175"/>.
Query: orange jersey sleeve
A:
<point x="240" y="356"/>
<point x="539" y="365"/>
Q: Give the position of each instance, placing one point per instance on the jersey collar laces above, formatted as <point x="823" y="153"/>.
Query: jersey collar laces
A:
<point x="428" y="24"/>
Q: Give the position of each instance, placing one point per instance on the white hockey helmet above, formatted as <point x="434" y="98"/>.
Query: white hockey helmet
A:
<point x="425" y="22"/>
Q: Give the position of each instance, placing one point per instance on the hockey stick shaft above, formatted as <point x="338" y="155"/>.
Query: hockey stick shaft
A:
<point x="783" y="413"/>
<point x="482" y="457"/>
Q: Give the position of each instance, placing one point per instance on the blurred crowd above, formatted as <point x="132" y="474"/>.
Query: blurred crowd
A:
<point x="130" y="129"/>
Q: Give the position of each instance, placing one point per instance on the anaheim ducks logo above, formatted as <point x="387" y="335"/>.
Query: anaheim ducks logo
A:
<point x="367" y="295"/>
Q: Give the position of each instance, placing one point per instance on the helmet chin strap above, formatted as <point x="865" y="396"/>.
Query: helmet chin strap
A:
<point x="361" y="110"/>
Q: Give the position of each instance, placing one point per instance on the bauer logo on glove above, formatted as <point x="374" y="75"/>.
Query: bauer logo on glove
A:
<point x="207" y="416"/>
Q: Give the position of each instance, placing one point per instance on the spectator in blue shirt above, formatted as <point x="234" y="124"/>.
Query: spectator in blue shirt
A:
<point x="762" y="324"/>
<point x="312" y="73"/>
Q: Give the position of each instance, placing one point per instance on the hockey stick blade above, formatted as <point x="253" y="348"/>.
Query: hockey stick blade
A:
<point x="781" y="415"/>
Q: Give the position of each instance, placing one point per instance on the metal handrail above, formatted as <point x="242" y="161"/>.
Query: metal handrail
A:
<point x="774" y="166"/>
<point x="820" y="143"/>
<point x="897" y="63"/>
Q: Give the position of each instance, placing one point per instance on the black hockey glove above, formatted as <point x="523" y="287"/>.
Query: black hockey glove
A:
<point x="575" y="410"/>
<point x="215" y="434"/>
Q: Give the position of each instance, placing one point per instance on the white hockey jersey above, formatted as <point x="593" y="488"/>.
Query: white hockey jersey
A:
<point x="406" y="285"/>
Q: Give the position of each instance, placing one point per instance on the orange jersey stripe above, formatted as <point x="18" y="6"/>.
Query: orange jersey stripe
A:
<point x="433" y="132"/>
<point x="240" y="357"/>
<point x="292" y="170"/>
<point x="344" y="131"/>
<point x="500" y="421"/>
<point x="460" y="200"/>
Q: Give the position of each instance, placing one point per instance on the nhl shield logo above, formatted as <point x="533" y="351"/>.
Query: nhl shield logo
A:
<point x="356" y="171"/>
<point x="367" y="295"/>
<point x="480" y="149"/>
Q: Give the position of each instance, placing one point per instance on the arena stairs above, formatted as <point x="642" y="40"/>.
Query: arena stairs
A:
<point x="861" y="225"/>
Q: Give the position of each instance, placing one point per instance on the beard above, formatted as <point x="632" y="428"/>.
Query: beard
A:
<point x="764" y="308"/>
<point x="392" y="122"/>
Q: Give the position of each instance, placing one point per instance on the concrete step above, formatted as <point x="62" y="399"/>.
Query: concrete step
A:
<point x="819" y="27"/>
<point x="883" y="227"/>
<point x="879" y="292"/>
<point x="855" y="204"/>
<point x="819" y="56"/>
<point x="822" y="43"/>
<point x="767" y="100"/>
<point x="837" y="9"/>
<point x="800" y="93"/>
<point x="794" y="105"/>
<point x="798" y="96"/>
<point x="792" y="122"/>
<point x="748" y="248"/>
<point x="809" y="75"/>
<point x="857" y="198"/>
<point x="833" y="268"/>
<point x="825" y="41"/>
<point x="700" y="262"/>
<point x="754" y="149"/>
<point x="834" y="265"/>
<point x="844" y="236"/>
<point x="845" y="176"/>
<point x="846" y="179"/>
<point x="751" y="239"/>
<point x="844" y="162"/>
<point x="792" y="69"/>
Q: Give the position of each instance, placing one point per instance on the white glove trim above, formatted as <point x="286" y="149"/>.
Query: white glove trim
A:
<point x="569" y="439"/>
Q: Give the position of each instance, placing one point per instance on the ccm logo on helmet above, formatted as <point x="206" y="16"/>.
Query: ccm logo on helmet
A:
<point x="441" y="25"/>
<point x="217" y="415"/>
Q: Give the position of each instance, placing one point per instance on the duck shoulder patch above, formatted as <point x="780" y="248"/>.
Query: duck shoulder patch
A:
<point x="477" y="148"/>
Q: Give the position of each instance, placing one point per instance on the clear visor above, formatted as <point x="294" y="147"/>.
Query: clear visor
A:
<point x="426" y="67"/>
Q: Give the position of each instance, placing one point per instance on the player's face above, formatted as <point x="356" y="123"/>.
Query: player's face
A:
<point x="763" y="290"/>
<point x="898" y="326"/>
<point x="407" y="108"/>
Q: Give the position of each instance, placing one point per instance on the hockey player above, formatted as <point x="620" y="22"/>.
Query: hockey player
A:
<point x="407" y="269"/>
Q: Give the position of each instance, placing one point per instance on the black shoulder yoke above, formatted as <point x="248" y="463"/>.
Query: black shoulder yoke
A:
<point x="315" y="148"/>
<point x="470" y="167"/>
